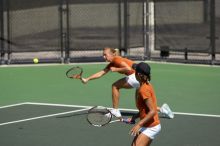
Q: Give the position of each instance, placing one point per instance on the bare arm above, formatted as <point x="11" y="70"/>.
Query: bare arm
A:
<point x="149" y="116"/>
<point x="95" y="76"/>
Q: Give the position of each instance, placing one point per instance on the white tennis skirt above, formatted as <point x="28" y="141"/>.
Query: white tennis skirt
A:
<point x="151" y="132"/>
<point x="131" y="80"/>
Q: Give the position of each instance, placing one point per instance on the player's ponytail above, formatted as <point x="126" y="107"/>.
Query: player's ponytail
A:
<point x="148" y="77"/>
<point x="117" y="52"/>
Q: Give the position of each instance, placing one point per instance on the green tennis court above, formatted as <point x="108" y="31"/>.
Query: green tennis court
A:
<point x="191" y="91"/>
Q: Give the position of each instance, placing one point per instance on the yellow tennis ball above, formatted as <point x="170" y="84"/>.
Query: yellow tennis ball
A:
<point x="35" y="60"/>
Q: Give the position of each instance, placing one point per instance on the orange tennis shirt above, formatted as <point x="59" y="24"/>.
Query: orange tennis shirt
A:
<point x="116" y="62"/>
<point x="146" y="91"/>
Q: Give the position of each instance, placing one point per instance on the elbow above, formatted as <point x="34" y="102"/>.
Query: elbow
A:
<point x="153" y="112"/>
<point x="130" y="68"/>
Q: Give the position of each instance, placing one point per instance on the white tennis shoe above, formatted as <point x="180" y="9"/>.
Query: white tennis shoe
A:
<point x="166" y="111"/>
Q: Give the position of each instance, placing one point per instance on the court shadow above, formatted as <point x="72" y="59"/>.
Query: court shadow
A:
<point x="72" y="115"/>
<point x="123" y="113"/>
<point x="130" y="114"/>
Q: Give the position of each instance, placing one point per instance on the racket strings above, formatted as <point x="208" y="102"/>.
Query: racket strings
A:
<point x="99" y="117"/>
<point x="75" y="72"/>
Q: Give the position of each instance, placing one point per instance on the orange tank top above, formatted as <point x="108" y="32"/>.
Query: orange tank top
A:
<point x="146" y="91"/>
<point x="117" y="63"/>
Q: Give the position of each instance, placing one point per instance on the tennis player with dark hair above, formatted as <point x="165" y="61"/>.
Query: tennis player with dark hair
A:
<point x="124" y="66"/>
<point x="149" y="125"/>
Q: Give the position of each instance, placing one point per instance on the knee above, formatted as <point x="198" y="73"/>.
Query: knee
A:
<point x="115" y="86"/>
<point x="119" y="84"/>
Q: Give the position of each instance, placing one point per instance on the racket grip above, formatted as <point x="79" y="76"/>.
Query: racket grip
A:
<point x="128" y="121"/>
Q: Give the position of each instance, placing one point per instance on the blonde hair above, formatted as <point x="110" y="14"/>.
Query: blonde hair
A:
<point x="112" y="50"/>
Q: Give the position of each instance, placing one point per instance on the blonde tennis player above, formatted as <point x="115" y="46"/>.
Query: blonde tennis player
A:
<point x="123" y="66"/>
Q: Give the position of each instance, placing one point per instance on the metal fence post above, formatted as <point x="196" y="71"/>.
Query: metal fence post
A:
<point x="64" y="30"/>
<point x="212" y="29"/>
<point x="151" y="27"/>
<point x="119" y="25"/>
<point x="145" y="30"/>
<point x="9" y="51"/>
<point x="61" y="31"/>
<point x="67" y="46"/>
<point x="2" y="51"/>
<point x="126" y="28"/>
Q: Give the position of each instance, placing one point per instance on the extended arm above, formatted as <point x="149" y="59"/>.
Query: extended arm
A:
<point x="95" y="76"/>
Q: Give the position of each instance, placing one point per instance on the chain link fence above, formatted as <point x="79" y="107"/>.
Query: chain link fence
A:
<point x="92" y="27"/>
<point x="77" y="31"/>
<point x="185" y="30"/>
<point x="33" y="27"/>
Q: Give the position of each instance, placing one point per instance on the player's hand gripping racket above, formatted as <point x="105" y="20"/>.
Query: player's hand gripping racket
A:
<point x="100" y="116"/>
<point x="75" y="73"/>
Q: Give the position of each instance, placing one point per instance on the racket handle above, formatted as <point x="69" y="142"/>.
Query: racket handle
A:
<point x="128" y="121"/>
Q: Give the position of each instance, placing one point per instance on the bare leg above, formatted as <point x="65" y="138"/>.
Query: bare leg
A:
<point x="121" y="83"/>
<point x="141" y="140"/>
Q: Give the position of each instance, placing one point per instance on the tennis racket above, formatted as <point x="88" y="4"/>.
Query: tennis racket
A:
<point x="75" y="73"/>
<point x="100" y="116"/>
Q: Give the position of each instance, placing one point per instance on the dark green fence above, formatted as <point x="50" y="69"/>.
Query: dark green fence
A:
<point x="65" y="31"/>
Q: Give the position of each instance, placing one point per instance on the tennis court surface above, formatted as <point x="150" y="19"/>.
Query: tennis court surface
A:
<point x="40" y="124"/>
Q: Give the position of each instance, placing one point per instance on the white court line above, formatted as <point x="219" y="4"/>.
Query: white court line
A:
<point x="79" y="106"/>
<point x="194" y="114"/>
<point x="182" y="64"/>
<point x="123" y="109"/>
<point x="12" y="105"/>
<point x="62" y="105"/>
<point x="41" y="117"/>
